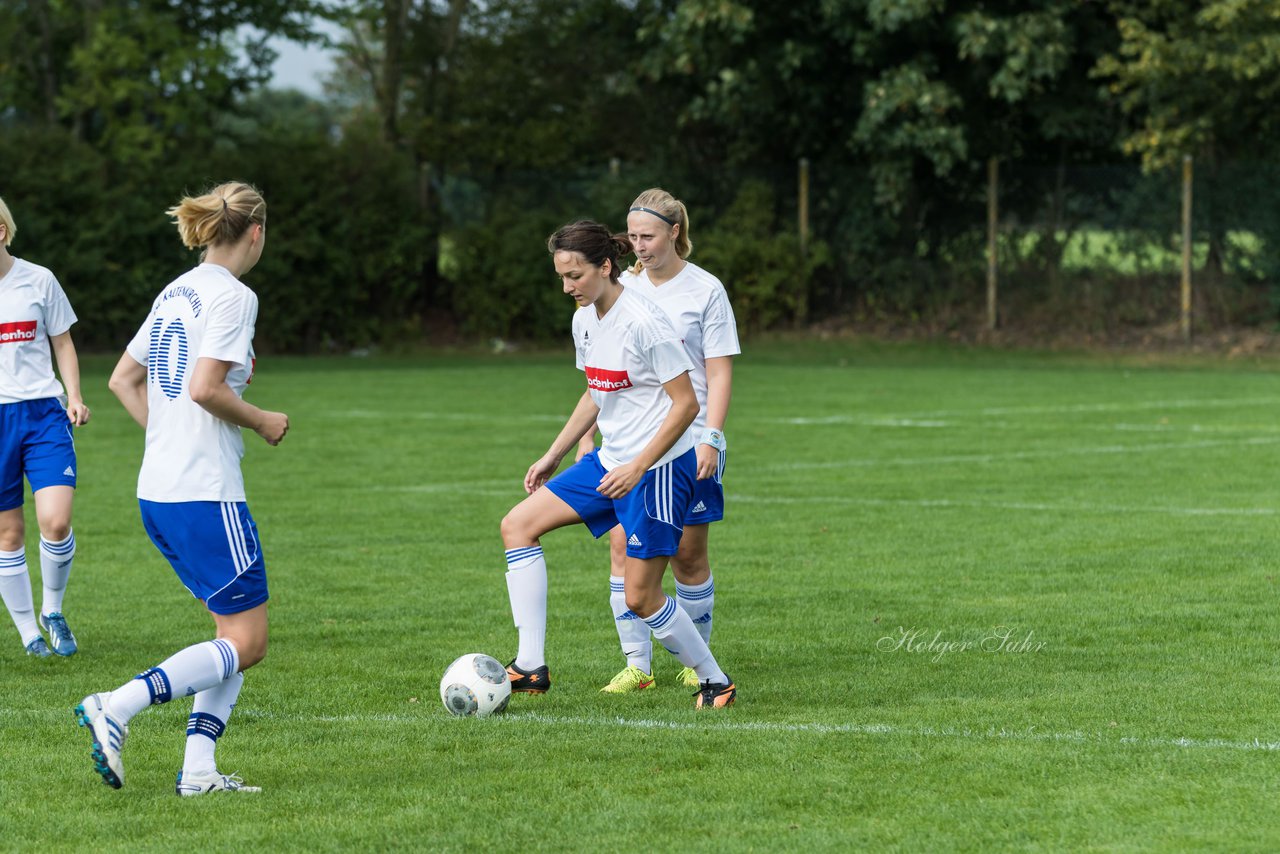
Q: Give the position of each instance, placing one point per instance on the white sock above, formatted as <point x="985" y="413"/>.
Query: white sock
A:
<point x="527" y="590"/>
<point x="186" y="672"/>
<point x="697" y="601"/>
<point x="672" y="626"/>
<point x="633" y="633"/>
<point x="209" y="715"/>
<point x="55" y="567"/>
<point x="15" y="589"/>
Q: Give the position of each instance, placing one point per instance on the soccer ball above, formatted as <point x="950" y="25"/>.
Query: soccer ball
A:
<point x="476" y="685"/>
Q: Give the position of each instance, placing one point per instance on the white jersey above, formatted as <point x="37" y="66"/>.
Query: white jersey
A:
<point x="33" y="309"/>
<point x="627" y="356"/>
<point x="699" y="309"/>
<point x="191" y="454"/>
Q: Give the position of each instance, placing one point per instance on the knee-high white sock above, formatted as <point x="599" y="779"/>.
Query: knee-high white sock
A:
<point x="697" y="601"/>
<point x="209" y="715"/>
<point x="527" y="590"/>
<point x="672" y="626"/>
<point x="186" y="672"/>
<point x="15" y="589"/>
<point x="633" y="632"/>
<point x="55" y="568"/>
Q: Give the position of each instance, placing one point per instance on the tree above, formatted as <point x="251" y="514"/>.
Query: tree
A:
<point x="140" y="79"/>
<point x="1200" y="79"/>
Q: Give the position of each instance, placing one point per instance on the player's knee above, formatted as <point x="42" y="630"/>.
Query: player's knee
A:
<point x="514" y="531"/>
<point x="252" y="651"/>
<point x="56" y="531"/>
<point x="645" y="603"/>
<point x="11" y="539"/>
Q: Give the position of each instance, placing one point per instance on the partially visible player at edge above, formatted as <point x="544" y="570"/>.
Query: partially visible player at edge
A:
<point x="699" y="309"/>
<point x="639" y="393"/>
<point x="182" y="377"/>
<point x="35" y="440"/>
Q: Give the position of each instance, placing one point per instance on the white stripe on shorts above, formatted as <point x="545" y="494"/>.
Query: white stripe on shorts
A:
<point x="662" y="497"/>
<point x="235" y="537"/>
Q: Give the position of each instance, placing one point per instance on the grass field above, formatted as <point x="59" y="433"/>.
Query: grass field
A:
<point x="972" y="600"/>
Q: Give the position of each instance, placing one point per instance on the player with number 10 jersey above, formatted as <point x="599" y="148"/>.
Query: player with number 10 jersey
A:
<point x="191" y="454"/>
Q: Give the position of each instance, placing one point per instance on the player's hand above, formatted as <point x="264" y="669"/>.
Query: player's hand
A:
<point x="621" y="480"/>
<point x="540" y="472"/>
<point x="708" y="461"/>
<point x="77" y="412"/>
<point x="273" y="427"/>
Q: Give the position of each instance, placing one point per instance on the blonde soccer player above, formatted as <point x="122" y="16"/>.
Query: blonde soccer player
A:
<point x="641" y="478"/>
<point x="36" y="418"/>
<point x="182" y="378"/>
<point x="698" y="306"/>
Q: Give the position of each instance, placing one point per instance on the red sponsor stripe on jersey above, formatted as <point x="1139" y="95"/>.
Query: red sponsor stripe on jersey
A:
<point x="600" y="379"/>
<point x="22" y="330"/>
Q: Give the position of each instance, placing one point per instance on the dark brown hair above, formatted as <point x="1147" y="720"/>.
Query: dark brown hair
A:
<point x="593" y="242"/>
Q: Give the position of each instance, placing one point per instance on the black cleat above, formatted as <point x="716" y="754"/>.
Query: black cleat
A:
<point x="535" y="681"/>
<point x="715" y="695"/>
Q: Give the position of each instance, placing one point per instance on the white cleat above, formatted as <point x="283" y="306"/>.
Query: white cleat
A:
<point x="108" y="736"/>
<point x="203" y="784"/>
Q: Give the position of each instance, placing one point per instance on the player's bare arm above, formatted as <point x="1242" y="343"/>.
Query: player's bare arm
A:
<point x="583" y="418"/>
<point x="209" y="389"/>
<point x="129" y="384"/>
<point x="64" y="350"/>
<point x="719" y="389"/>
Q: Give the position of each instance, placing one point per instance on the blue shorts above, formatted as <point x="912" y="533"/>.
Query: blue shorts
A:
<point x="35" y="440"/>
<point x="214" y="548"/>
<point x="652" y="514"/>
<point x="707" y="504"/>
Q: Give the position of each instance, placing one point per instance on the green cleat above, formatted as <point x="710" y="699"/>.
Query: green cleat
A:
<point x="689" y="678"/>
<point x="629" y="681"/>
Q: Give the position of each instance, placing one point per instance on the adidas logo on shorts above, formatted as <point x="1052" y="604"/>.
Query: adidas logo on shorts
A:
<point x="70" y="472"/>
<point x="699" y="508"/>
<point x="634" y="541"/>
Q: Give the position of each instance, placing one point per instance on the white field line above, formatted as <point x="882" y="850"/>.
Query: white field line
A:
<point x="932" y="419"/>
<point x="1126" y="406"/>
<point x="1085" y="451"/>
<point x="512" y="489"/>
<point x="1121" y="427"/>
<point x="517" y="718"/>
<point x="503" y="487"/>
<point x="485" y="417"/>
<point x="947" y="503"/>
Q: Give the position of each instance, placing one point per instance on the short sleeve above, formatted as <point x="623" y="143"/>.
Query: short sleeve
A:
<point x="719" y="329"/>
<point x="58" y="316"/>
<point x="140" y="347"/>
<point x="579" y="345"/>
<point x="662" y="349"/>
<point x="228" y="334"/>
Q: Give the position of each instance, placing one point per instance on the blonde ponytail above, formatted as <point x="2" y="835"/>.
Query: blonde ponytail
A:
<point x="220" y="216"/>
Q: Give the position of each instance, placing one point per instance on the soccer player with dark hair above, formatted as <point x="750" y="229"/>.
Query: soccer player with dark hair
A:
<point x="642" y="477"/>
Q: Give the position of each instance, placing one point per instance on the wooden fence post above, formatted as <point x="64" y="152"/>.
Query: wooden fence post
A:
<point x="993" y="216"/>
<point x="802" y="204"/>
<point x="1184" y="321"/>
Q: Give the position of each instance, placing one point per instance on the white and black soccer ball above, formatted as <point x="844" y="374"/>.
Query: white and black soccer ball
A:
<point x="475" y="684"/>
